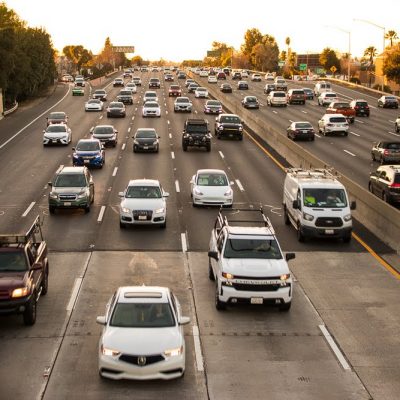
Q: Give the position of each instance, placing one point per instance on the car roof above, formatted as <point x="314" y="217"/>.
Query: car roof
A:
<point x="228" y="115"/>
<point x="72" y="170"/>
<point x="137" y="294"/>
<point x="211" y="171"/>
<point x="104" y="126"/>
<point x="144" y="182"/>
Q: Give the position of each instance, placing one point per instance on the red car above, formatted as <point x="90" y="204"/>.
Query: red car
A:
<point x="174" y="90"/>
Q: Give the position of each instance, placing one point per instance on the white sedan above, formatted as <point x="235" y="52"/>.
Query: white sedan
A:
<point x="212" y="79"/>
<point x="143" y="203"/>
<point x="132" y="87"/>
<point x="94" y="105"/>
<point x="57" y="134"/>
<point x="211" y="187"/>
<point x="151" y="109"/>
<point x="142" y="335"/>
<point x="201" y="92"/>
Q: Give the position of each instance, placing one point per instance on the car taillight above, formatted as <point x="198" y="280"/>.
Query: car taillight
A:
<point x="386" y="152"/>
<point x="395" y="185"/>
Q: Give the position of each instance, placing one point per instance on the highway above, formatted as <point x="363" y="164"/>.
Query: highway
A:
<point x="339" y="340"/>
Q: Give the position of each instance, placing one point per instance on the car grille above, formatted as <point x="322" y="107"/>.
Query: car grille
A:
<point x="256" y="288"/>
<point x="67" y="197"/>
<point x="329" y="222"/>
<point x="142" y="213"/>
<point x="141" y="361"/>
<point x="394" y="190"/>
<point x="4" y="294"/>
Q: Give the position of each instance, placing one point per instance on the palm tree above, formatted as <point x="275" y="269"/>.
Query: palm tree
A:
<point x="391" y="35"/>
<point x="370" y="52"/>
<point x="287" y="42"/>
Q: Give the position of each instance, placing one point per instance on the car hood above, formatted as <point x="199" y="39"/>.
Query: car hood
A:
<point x="55" y="135"/>
<point x="213" y="191"/>
<point x="230" y="125"/>
<point x="69" y="190"/>
<point x="255" y="267"/>
<point x="11" y="280"/>
<point x="142" y="341"/>
<point x="87" y="153"/>
<point x="103" y="136"/>
<point x="143" y="204"/>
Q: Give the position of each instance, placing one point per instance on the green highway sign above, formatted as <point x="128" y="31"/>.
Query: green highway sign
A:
<point x="213" y="53"/>
<point x="303" y="67"/>
<point x="281" y="63"/>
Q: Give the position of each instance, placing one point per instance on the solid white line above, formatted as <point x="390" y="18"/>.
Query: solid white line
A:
<point x="172" y="155"/>
<point x="239" y="185"/>
<point x="355" y="134"/>
<point x="221" y="154"/>
<point x="123" y="146"/>
<point x="177" y="186"/>
<point x="101" y="214"/>
<point x="115" y="171"/>
<point x="275" y="112"/>
<point x="197" y="349"/>
<point x="28" y="209"/>
<point x="392" y="122"/>
<point x="318" y="136"/>
<point x="168" y="122"/>
<point x="184" y="243"/>
<point x="348" y="152"/>
<point x="334" y="347"/>
<point x="34" y="120"/>
<point x="74" y="294"/>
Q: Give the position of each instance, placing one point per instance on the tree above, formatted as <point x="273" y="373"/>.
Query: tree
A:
<point x="265" y="55"/>
<point x="78" y="55"/>
<point x="329" y="59"/>
<point x="370" y="52"/>
<point x="251" y="38"/>
<point x="391" y="64"/>
<point x="391" y="35"/>
<point x="137" y="60"/>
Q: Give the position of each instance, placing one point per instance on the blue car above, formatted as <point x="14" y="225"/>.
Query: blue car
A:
<point x="89" y="153"/>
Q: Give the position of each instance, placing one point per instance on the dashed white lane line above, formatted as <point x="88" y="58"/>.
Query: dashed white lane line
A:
<point x="348" y="152"/>
<point x="134" y="116"/>
<point x="115" y="171"/>
<point x="291" y="121"/>
<point x="197" y="349"/>
<point x="170" y="136"/>
<point x="168" y="122"/>
<point x="355" y="134"/>
<point x="360" y="122"/>
<point x="304" y="112"/>
<point x="129" y="129"/>
<point x="241" y="188"/>
<point x="28" y="209"/>
<point x="101" y="214"/>
<point x="101" y="117"/>
<point x="172" y="155"/>
<point x="74" y="294"/>
<point x="318" y="136"/>
<point x="392" y="122"/>
<point x="123" y="146"/>
<point x="177" y="188"/>
<point x="334" y="347"/>
<point x="184" y="242"/>
<point x="394" y="134"/>
<point x="275" y="112"/>
<point x="221" y="154"/>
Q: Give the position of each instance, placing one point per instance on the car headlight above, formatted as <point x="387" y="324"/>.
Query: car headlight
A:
<point x="308" y="217"/>
<point x="155" y="142"/>
<point x="82" y="195"/>
<point x="20" y="292"/>
<point x="98" y="156"/>
<point x="174" y="352"/>
<point x="125" y="210"/>
<point x="228" y="192"/>
<point x="227" y="275"/>
<point x="284" y="277"/>
<point x="53" y="195"/>
<point x="240" y="128"/>
<point x="347" y="217"/>
<point x="220" y="127"/>
<point x="159" y="210"/>
<point x="135" y="142"/>
<point x="109" y="352"/>
<point x="198" y="192"/>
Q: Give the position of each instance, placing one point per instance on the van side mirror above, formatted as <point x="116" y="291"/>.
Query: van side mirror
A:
<point x="290" y="256"/>
<point x="296" y="205"/>
<point x="353" y="205"/>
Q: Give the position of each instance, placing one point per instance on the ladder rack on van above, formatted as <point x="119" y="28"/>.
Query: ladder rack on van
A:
<point x="313" y="173"/>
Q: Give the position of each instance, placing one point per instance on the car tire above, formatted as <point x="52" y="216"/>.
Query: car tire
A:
<point x="385" y="197"/>
<point x="382" y="160"/>
<point x="240" y="137"/>
<point x="164" y="225"/>
<point x="211" y="276"/>
<point x="219" y="305"/>
<point x="45" y="282"/>
<point x="87" y="209"/>
<point x="285" y="306"/>
<point x="208" y="148"/>
<point x="370" y="187"/>
<point x="300" y="236"/>
<point x="29" y="314"/>
<point x="373" y="156"/>
<point x="52" y="209"/>
<point x="184" y="147"/>
<point x="286" y="216"/>
<point x="397" y="128"/>
<point x="347" y="238"/>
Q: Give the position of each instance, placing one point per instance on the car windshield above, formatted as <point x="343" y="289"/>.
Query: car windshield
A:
<point x="234" y="120"/>
<point x="267" y="249"/>
<point x="125" y="93"/>
<point x="151" y="104"/>
<point x="94" y="101"/>
<point x="212" y="180"/>
<point x="143" y="192"/>
<point x="150" y="95"/>
<point x="56" y="128"/>
<point x="197" y="128"/>
<point x="116" y="105"/>
<point x="213" y="103"/>
<point x="303" y="125"/>
<point x="146" y="134"/>
<point x="396" y="179"/>
<point x="142" y="315"/>
<point x="88" y="146"/>
<point x="12" y="261"/>
<point x="390" y="98"/>
<point x="174" y="87"/>
<point x="251" y="99"/>
<point x="70" y="180"/>
<point x="393" y="146"/>
<point x="324" y="198"/>
<point x="100" y="92"/>
<point x="103" y="130"/>
<point x="182" y="100"/>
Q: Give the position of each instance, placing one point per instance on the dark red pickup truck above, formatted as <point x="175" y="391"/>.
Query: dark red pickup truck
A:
<point x="24" y="272"/>
<point x="342" y="107"/>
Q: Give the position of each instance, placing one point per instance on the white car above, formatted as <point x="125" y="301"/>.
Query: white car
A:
<point x="150" y="95"/>
<point x="277" y="98"/>
<point x="143" y="203"/>
<point x="57" y="134"/>
<point x="211" y="187"/>
<point x="132" y="87"/>
<point x="151" y="109"/>
<point x="203" y="73"/>
<point x="269" y="77"/>
<point x="142" y="335"/>
<point x="333" y="123"/>
<point x="137" y="81"/>
<point x="201" y="92"/>
<point x="183" y="104"/>
<point x="212" y="79"/>
<point x="326" y="98"/>
<point x="94" y="105"/>
<point x="244" y="74"/>
<point x="256" y="77"/>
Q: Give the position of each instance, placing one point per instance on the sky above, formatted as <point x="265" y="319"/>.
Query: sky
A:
<point x="178" y="30"/>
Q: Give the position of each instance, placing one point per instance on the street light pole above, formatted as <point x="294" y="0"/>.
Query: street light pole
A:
<point x="383" y="46"/>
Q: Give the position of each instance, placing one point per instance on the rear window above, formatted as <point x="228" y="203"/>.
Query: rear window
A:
<point x="393" y="146"/>
<point x="280" y="94"/>
<point x="297" y="92"/>
<point x="330" y="95"/>
<point x="338" y="119"/>
<point x="396" y="178"/>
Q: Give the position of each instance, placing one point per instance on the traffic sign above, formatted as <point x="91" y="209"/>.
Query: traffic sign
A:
<point x="281" y="63"/>
<point x="303" y="67"/>
<point x="333" y="69"/>
<point x="123" y="49"/>
<point x="213" y="53"/>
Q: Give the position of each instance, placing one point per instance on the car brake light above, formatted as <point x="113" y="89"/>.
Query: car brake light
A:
<point x="386" y="152"/>
<point x="395" y="185"/>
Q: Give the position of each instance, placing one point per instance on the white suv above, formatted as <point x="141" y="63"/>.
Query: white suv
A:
<point x="326" y="98"/>
<point x="333" y="123"/>
<point x="143" y="203"/>
<point x="277" y="98"/>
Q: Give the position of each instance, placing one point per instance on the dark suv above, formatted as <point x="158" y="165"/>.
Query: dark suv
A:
<point x="125" y="96"/>
<point x="228" y="125"/>
<point x="361" y="107"/>
<point x="154" y="83"/>
<point x="385" y="183"/>
<point x="196" y="133"/>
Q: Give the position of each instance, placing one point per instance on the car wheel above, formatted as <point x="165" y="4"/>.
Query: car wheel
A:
<point x="241" y="137"/>
<point x="347" y="238"/>
<point x="211" y="276"/>
<point x="122" y="225"/>
<point x="300" y="236"/>
<point x="208" y="147"/>
<point x="164" y="225"/>
<point x="385" y="197"/>
<point x="382" y="160"/>
<point x="286" y="216"/>
<point x="30" y="311"/>
<point x="370" y="187"/>
<point x="219" y="305"/>
<point x="52" y="209"/>
<point x="87" y="209"/>
<point x="397" y="128"/>
<point x="45" y="282"/>
<point x="184" y="147"/>
<point x="285" y="306"/>
<point x="373" y="157"/>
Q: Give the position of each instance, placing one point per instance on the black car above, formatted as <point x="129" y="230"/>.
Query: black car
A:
<point x="361" y="107"/>
<point x="196" y="133"/>
<point x="154" y="83"/>
<point x="385" y="183"/>
<point x="236" y="75"/>
<point x="269" y="87"/>
<point x="309" y="93"/>
<point x="100" y="94"/>
<point x="386" y="152"/>
<point x="242" y="85"/>
<point x="192" y="87"/>
<point x="226" y="88"/>
<point x="228" y="125"/>
<point x="146" y="139"/>
<point x="107" y="134"/>
<point x="116" y="109"/>
<point x="388" y="102"/>
<point x="250" y="102"/>
<point x="181" y="75"/>
<point x="125" y="96"/>
<point x="300" y="130"/>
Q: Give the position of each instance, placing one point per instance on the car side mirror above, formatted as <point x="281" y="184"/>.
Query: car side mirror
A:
<point x="213" y="254"/>
<point x="44" y="131"/>
<point x="37" y="266"/>
<point x="296" y="205"/>
<point x="159" y="137"/>
<point x="353" y="205"/>
<point x="290" y="256"/>
<point x="50" y="184"/>
<point x="166" y="194"/>
<point x="184" y="320"/>
<point x="73" y="149"/>
<point x="101" y="320"/>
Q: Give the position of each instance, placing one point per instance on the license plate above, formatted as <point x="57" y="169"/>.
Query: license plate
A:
<point x="67" y="203"/>
<point x="86" y="161"/>
<point x="54" y="141"/>
<point x="304" y="131"/>
<point x="142" y="217"/>
<point x="145" y="147"/>
<point x="256" y="300"/>
<point x="329" y="231"/>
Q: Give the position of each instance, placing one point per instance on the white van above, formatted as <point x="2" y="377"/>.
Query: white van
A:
<point x="317" y="205"/>
<point x="321" y="87"/>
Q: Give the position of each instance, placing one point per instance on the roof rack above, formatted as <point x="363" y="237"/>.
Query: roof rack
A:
<point x="224" y="218"/>
<point x="22" y="239"/>
<point x="313" y="173"/>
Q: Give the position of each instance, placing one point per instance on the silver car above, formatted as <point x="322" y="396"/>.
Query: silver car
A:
<point x="57" y="134"/>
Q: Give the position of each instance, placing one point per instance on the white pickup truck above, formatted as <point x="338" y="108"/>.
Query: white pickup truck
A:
<point x="246" y="261"/>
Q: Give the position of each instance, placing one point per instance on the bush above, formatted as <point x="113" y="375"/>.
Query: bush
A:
<point x="386" y="88"/>
<point x="355" y="80"/>
<point x="287" y="75"/>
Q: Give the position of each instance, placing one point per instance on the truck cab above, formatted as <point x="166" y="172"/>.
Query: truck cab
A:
<point x="246" y="262"/>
